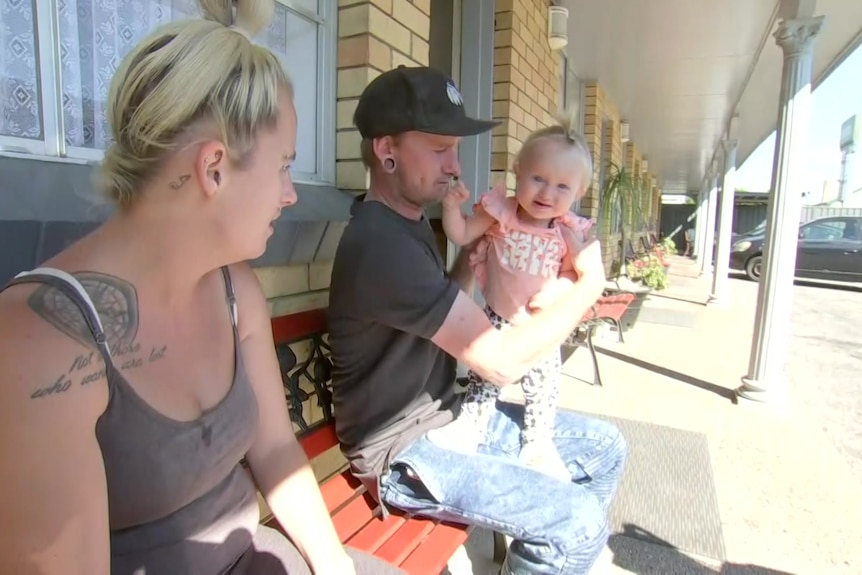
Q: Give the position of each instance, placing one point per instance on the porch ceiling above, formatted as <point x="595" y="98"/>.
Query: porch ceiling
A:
<point x="677" y="70"/>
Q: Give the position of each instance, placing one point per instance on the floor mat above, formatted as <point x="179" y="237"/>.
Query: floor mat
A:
<point x="667" y="493"/>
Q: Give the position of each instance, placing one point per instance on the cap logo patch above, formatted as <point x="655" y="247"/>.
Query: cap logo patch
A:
<point x="453" y="94"/>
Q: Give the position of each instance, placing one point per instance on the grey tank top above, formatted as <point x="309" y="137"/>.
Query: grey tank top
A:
<point x="179" y="501"/>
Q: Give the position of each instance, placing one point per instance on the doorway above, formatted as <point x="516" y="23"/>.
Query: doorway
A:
<point x="444" y="51"/>
<point x="444" y="43"/>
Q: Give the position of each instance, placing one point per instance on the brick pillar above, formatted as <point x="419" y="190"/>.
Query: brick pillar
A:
<point x="593" y="114"/>
<point x="629" y="158"/>
<point x="648" y="197"/>
<point x="636" y="176"/>
<point x="373" y="36"/>
<point x="602" y="132"/>
<point x="526" y="79"/>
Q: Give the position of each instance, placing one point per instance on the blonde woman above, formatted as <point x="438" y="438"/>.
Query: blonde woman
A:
<point x="137" y="366"/>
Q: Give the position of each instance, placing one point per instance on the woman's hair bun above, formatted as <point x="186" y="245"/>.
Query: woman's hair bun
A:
<point x="248" y="16"/>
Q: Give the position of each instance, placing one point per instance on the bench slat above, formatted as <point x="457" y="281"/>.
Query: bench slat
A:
<point x="303" y="324"/>
<point x="431" y="557"/>
<point x="375" y="533"/>
<point x="319" y="441"/>
<point x="354" y="516"/>
<point x="613" y="306"/>
<point x="405" y="540"/>
<point x="339" y="490"/>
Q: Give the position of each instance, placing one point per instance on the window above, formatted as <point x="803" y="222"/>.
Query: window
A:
<point x="571" y="98"/>
<point x="572" y="91"/>
<point x="57" y="60"/>
<point x="823" y="231"/>
<point x="831" y="230"/>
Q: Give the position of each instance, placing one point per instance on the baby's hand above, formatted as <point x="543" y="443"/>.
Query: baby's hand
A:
<point x="457" y="195"/>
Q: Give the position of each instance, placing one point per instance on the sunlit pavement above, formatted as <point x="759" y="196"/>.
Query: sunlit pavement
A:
<point x="788" y="478"/>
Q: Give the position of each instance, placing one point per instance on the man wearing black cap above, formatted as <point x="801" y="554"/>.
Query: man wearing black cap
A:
<point x="397" y="319"/>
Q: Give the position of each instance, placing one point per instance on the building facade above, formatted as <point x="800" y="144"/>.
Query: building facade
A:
<point x="58" y="59"/>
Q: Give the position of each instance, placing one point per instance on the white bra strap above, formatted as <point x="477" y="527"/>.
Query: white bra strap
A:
<point x="72" y="281"/>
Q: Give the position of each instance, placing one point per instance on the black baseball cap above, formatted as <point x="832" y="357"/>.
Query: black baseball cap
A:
<point x="418" y="99"/>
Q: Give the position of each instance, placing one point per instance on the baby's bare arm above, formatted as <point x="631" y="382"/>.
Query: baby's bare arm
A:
<point x="460" y="228"/>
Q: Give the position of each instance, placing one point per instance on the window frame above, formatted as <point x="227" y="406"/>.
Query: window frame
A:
<point x="565" y="72"/>
<point x="53" y="147"/>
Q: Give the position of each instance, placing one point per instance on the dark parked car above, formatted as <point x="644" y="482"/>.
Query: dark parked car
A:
<point x="828" y="249"/>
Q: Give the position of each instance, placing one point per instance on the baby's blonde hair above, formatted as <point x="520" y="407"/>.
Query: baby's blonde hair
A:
<point x="193" y="73"/>
<point x="566" y="132"/>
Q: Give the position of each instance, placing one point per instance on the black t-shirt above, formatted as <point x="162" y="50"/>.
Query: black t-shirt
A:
<point x="388" y="296"/>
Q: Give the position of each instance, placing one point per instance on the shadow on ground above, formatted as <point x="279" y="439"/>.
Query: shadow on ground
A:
<point x="681" y="377"/>
<point x="641" y="552"/>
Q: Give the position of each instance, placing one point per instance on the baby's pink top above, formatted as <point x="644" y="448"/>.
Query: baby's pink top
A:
<point x="521" y="258"/>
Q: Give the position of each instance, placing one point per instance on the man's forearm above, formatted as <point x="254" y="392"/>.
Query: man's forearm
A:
<point x="530" y="341"/>
<point x="461" y="271"/>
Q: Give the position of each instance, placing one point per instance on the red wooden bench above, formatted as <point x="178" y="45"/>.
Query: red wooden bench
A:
<point x="419" y="546"/>
<point x="608" y="309"/>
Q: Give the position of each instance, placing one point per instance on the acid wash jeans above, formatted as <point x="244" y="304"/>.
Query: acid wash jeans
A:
<point x="557" y="527"/>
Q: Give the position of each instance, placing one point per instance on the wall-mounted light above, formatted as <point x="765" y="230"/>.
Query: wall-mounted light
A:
<point x="558" y="17"/>
<point x="625" y="135"/>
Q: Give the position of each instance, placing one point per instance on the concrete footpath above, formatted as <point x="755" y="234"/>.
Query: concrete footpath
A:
<point x="788" y="479"/>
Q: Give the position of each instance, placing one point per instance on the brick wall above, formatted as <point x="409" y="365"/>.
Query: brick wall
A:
<point x="602" y="132"/>
<point x="377" y="35"/>
<point x="373" y="36"/>
<point x="526" y="79"/>
<point x="292" y="289"/>
<point x="603" y="135"/>
<point x="634" y="164"/>
<point x="651" y="198"/>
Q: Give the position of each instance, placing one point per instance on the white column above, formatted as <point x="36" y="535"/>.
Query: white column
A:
<point x="709" y="232"/>
<point x="699" y="225"/>
<point x="725" y="225"/>
<point x="775" y="294"/>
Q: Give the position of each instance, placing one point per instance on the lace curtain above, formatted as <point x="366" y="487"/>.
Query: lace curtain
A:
<point x="94" y="37"/>
<point x="20" y="110"/>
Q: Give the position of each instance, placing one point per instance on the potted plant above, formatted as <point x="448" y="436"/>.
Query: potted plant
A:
<point x="619" y="213"/>
<point x="667" y="246"/>
<point x="651" y="270"/>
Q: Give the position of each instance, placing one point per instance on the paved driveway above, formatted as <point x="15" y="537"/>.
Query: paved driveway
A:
<point x="825" y="363"/>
